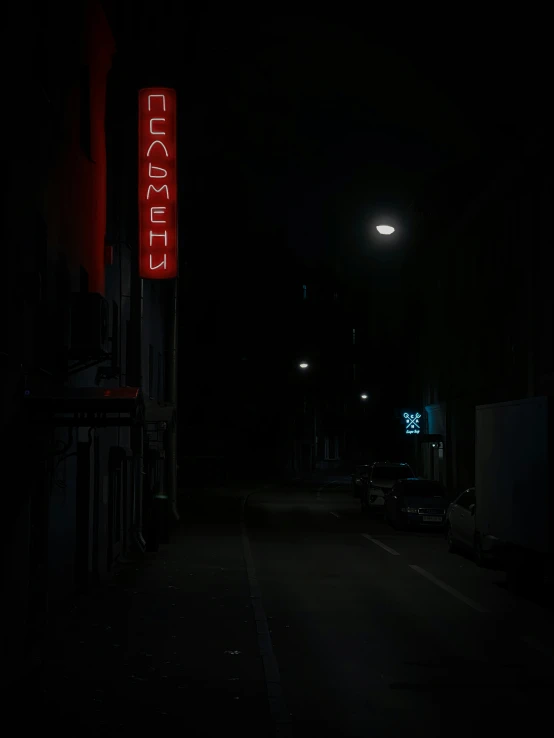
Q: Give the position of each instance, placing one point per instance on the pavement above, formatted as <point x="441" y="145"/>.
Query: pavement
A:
<point x="169" y="643"/>
<point x="281" y="610"/>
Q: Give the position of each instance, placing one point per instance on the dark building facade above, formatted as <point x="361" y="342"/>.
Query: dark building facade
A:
<point x="358" y="335"/>
<point x="330" y="424"/>
<point x="88" y="414"/>
<point x="486" y="319"/>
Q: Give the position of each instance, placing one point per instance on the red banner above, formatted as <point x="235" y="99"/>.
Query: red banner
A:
<point x="157" y="183"/>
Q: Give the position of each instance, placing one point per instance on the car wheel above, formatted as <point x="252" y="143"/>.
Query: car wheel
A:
<point x="450" y="540"/>
<point x="478" y="556"/>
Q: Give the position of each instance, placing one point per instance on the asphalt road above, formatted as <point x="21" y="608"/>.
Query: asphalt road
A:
<point x="349" y="627"/>
<point x="378" y="632"/>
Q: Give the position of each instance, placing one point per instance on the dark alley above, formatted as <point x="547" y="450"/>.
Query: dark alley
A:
<point x="356" y="628"/>
<point x="278" y="378"/>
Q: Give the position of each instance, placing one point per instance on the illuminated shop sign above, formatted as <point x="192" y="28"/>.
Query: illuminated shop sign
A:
<point x="412" y="423"/>
<point x="157" y="183"/>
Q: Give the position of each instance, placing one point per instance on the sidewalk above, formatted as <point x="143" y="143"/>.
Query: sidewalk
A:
<point x="170" y="645"/>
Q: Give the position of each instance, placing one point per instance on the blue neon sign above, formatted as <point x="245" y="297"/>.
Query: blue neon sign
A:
<point x="412" y="423"/>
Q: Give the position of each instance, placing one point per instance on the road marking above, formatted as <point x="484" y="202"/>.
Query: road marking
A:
<point x="277" y="705"/>
<point x="334" y="513"/>
<point x="448" y="588"/>
<point x="382" y="545"/>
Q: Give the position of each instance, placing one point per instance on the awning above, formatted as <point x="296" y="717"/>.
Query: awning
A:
<point x="87" y="406"/>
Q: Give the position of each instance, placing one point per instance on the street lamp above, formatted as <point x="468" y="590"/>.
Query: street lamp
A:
<point x="385" y="230"/>
<point x="303" y="365"/>
<point x="364" y="397"/>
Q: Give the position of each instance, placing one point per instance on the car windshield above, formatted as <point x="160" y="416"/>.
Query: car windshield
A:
<point x="391" y="472"/>
<point x="415" y="489"/>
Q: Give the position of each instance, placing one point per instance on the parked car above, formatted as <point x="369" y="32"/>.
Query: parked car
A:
<point x="460" y="521"/>
<point x="360" y="479"/>
<point x="417" y="503"/>
<point x="382" y="477"/>
<point x="461" y="530"/>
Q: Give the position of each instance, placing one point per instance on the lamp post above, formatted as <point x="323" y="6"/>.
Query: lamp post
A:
<point x="297" y="459"/>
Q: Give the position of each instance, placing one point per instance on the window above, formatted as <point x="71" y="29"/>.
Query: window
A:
<point x="151" y="371"/>
<point x="353" y="336"/>
<point x="304" y="292"/>
<point x="130" y="359"/>
<point x="331" y="448"/>
<point x="85" y="131"/>
<point x="161" y="388"/>
<point x="415" y="489"/>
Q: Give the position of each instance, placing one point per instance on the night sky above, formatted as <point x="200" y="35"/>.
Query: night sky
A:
<point x="294" y="134"/>
<point x="294" y="131"/>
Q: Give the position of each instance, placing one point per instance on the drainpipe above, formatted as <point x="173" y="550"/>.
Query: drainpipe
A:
<point x="530" y="322"/>
<point x="172" y="430"/>
<point x="134" y="377"/>
<point x="138" y="433"/>
<point x="134" y="368"/>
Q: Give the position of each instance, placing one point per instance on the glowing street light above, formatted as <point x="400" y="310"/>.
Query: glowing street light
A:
<point x="303" y="365"/>
<point x="385" y="230"/>
<point x="364" y="397"/>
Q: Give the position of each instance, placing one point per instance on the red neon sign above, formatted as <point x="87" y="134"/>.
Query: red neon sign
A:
<point x="157" y="183"/>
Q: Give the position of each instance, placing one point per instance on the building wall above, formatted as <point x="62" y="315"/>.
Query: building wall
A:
<point x="75" y="214"/>
<point x="37" y="282"/>
<point x="68" y="241"/>
<point x="354" y="335"/>
<point x="487" y="326"/>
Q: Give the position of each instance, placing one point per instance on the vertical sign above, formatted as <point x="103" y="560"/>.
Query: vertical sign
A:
<point x="157" y="183"/>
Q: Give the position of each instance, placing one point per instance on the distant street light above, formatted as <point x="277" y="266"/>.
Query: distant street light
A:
<point x="385" y="230"/>
<point x="303" y="365"/>
<point x="364" y="397"/>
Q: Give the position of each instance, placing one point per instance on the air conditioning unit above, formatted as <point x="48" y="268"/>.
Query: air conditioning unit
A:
<point x="90" y="326"/>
